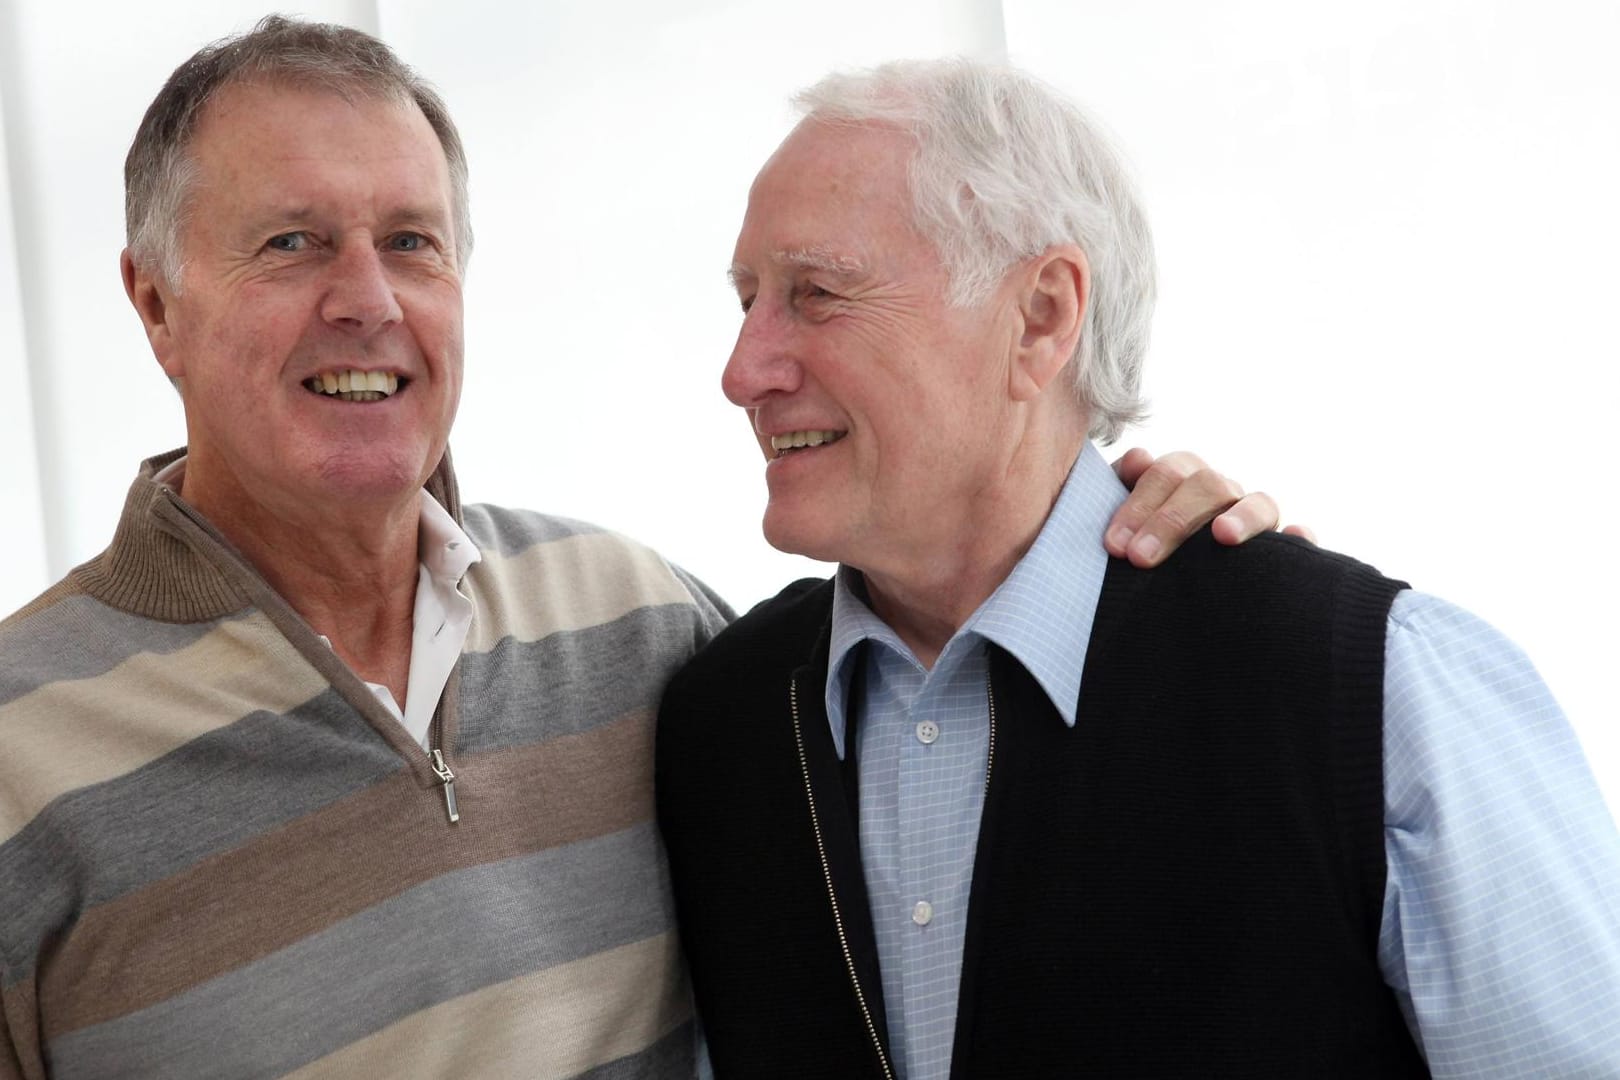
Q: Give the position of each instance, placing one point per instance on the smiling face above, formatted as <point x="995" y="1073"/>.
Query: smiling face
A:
<point x="896" y="402"/>
<point x="317" y="336"/>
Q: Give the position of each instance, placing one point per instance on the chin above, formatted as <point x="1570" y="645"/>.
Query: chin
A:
<point x="794" y="535"/>
<point x="367" y="479"/>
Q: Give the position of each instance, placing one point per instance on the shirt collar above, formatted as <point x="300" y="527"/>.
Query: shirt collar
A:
<point x="1041" y="614"/>
<point x="445" y="549"/>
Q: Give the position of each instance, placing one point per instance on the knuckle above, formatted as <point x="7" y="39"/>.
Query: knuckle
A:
<point x="1261" y="501"/>
<point x="1175" y="521"/>
<point x="1183" y="463"/>
<point x="1261" y="510"/>
<point x="1214" y="483"/>
<point x="1131" y="516"/>
<point x="1172" y="473"/>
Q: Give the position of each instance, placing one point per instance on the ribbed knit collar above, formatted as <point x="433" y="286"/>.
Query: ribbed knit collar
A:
<point x="166" y="561"/>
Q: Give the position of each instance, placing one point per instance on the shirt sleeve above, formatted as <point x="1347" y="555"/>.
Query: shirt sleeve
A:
<point x="1501" y="923"/>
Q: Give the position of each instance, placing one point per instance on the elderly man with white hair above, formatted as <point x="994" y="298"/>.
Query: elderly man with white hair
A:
<point x="989" y="804"/>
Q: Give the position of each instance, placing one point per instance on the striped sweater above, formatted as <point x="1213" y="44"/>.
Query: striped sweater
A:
<point x="220" y="856"/>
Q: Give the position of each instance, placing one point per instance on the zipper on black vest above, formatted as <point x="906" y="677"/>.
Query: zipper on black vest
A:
<point x="826" y="868"/>
<point x="826" y="876"/>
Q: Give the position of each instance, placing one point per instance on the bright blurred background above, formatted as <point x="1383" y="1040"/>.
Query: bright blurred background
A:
<point x="1388" y="235"/>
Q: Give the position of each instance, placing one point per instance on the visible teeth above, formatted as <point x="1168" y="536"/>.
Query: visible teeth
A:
<point x="795" y="440"/>
<point x="354" y="385"/>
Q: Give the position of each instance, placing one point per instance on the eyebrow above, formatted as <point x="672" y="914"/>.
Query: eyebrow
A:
<point x="421" y="215"/>
<point x="404" y="216"/>
<point x="820" y="258"/>
<point x="812" y="258"/>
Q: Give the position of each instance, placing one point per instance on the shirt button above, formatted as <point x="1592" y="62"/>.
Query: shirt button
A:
<point x="927" y="732"/>
<point x="923" y="913"/>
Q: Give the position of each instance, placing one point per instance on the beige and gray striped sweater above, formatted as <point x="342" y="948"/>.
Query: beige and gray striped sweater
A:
<point x="220" y="857"/>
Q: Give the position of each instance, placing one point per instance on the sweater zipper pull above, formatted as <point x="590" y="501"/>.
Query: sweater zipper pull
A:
<point x="448" y="779"/>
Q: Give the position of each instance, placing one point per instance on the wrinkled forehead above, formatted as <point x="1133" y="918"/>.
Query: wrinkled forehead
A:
<point x="252" y="96"/>
<point x="250" y="127"/>
<point x="864" y="161"/>
<point x="831" y="193"/>
<point x="271" y="156"/>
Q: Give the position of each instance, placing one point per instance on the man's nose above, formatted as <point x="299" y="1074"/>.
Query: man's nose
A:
<point x="762" y="362"/>
<point x="360" y="297"/>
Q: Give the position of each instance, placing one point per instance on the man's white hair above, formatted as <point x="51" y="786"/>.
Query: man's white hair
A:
<point x="1005" y="168"/>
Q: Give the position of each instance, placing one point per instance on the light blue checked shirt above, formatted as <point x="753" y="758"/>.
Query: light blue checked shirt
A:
<point x="1501" y="926"/>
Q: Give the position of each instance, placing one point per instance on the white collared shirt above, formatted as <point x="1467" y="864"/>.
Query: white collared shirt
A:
<point x="439" y="624"/>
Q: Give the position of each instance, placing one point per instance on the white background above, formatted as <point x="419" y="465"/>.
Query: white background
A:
<point x="1388" y="237"/>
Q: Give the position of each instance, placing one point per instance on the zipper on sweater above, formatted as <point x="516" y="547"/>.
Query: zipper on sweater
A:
<point x="440" y="767"/>
<point x="448" y="779"/>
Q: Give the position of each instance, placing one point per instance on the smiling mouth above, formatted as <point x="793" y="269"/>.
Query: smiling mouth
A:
<point x="789" y="441"/>
<point x="355" y="385"/>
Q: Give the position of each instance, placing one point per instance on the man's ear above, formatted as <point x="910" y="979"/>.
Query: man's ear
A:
<point x="150" y="298"/>
<point x="1052" y="295"/>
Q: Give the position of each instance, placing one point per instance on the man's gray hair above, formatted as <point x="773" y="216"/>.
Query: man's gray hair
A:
<point x="1005" y="168"/>
<point x="278" y="51"/>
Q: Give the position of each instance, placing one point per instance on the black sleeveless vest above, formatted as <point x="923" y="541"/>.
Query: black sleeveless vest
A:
<point x="1188" y="882"/>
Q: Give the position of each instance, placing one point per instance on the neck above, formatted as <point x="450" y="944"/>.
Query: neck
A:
<point x="926" y="596"/>
<point x="352" y="577"/>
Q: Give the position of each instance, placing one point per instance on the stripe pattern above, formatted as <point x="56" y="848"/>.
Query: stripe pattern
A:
<point x="217" y="859"/>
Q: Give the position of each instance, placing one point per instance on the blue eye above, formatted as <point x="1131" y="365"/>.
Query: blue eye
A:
<point x="293" y="241"/>
<point x="407" y="242"/>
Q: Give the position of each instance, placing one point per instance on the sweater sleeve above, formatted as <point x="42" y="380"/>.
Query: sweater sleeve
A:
<point x="712" y="609"/>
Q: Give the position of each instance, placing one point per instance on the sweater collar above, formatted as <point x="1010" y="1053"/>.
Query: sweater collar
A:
<point x="168" y="562"/>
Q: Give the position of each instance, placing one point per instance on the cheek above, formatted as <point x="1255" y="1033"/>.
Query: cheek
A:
<point x="928" y="435"/>
<point x="881" y="340"/>
<point x="255" y="340"/>
<point x="437" y="334"/>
